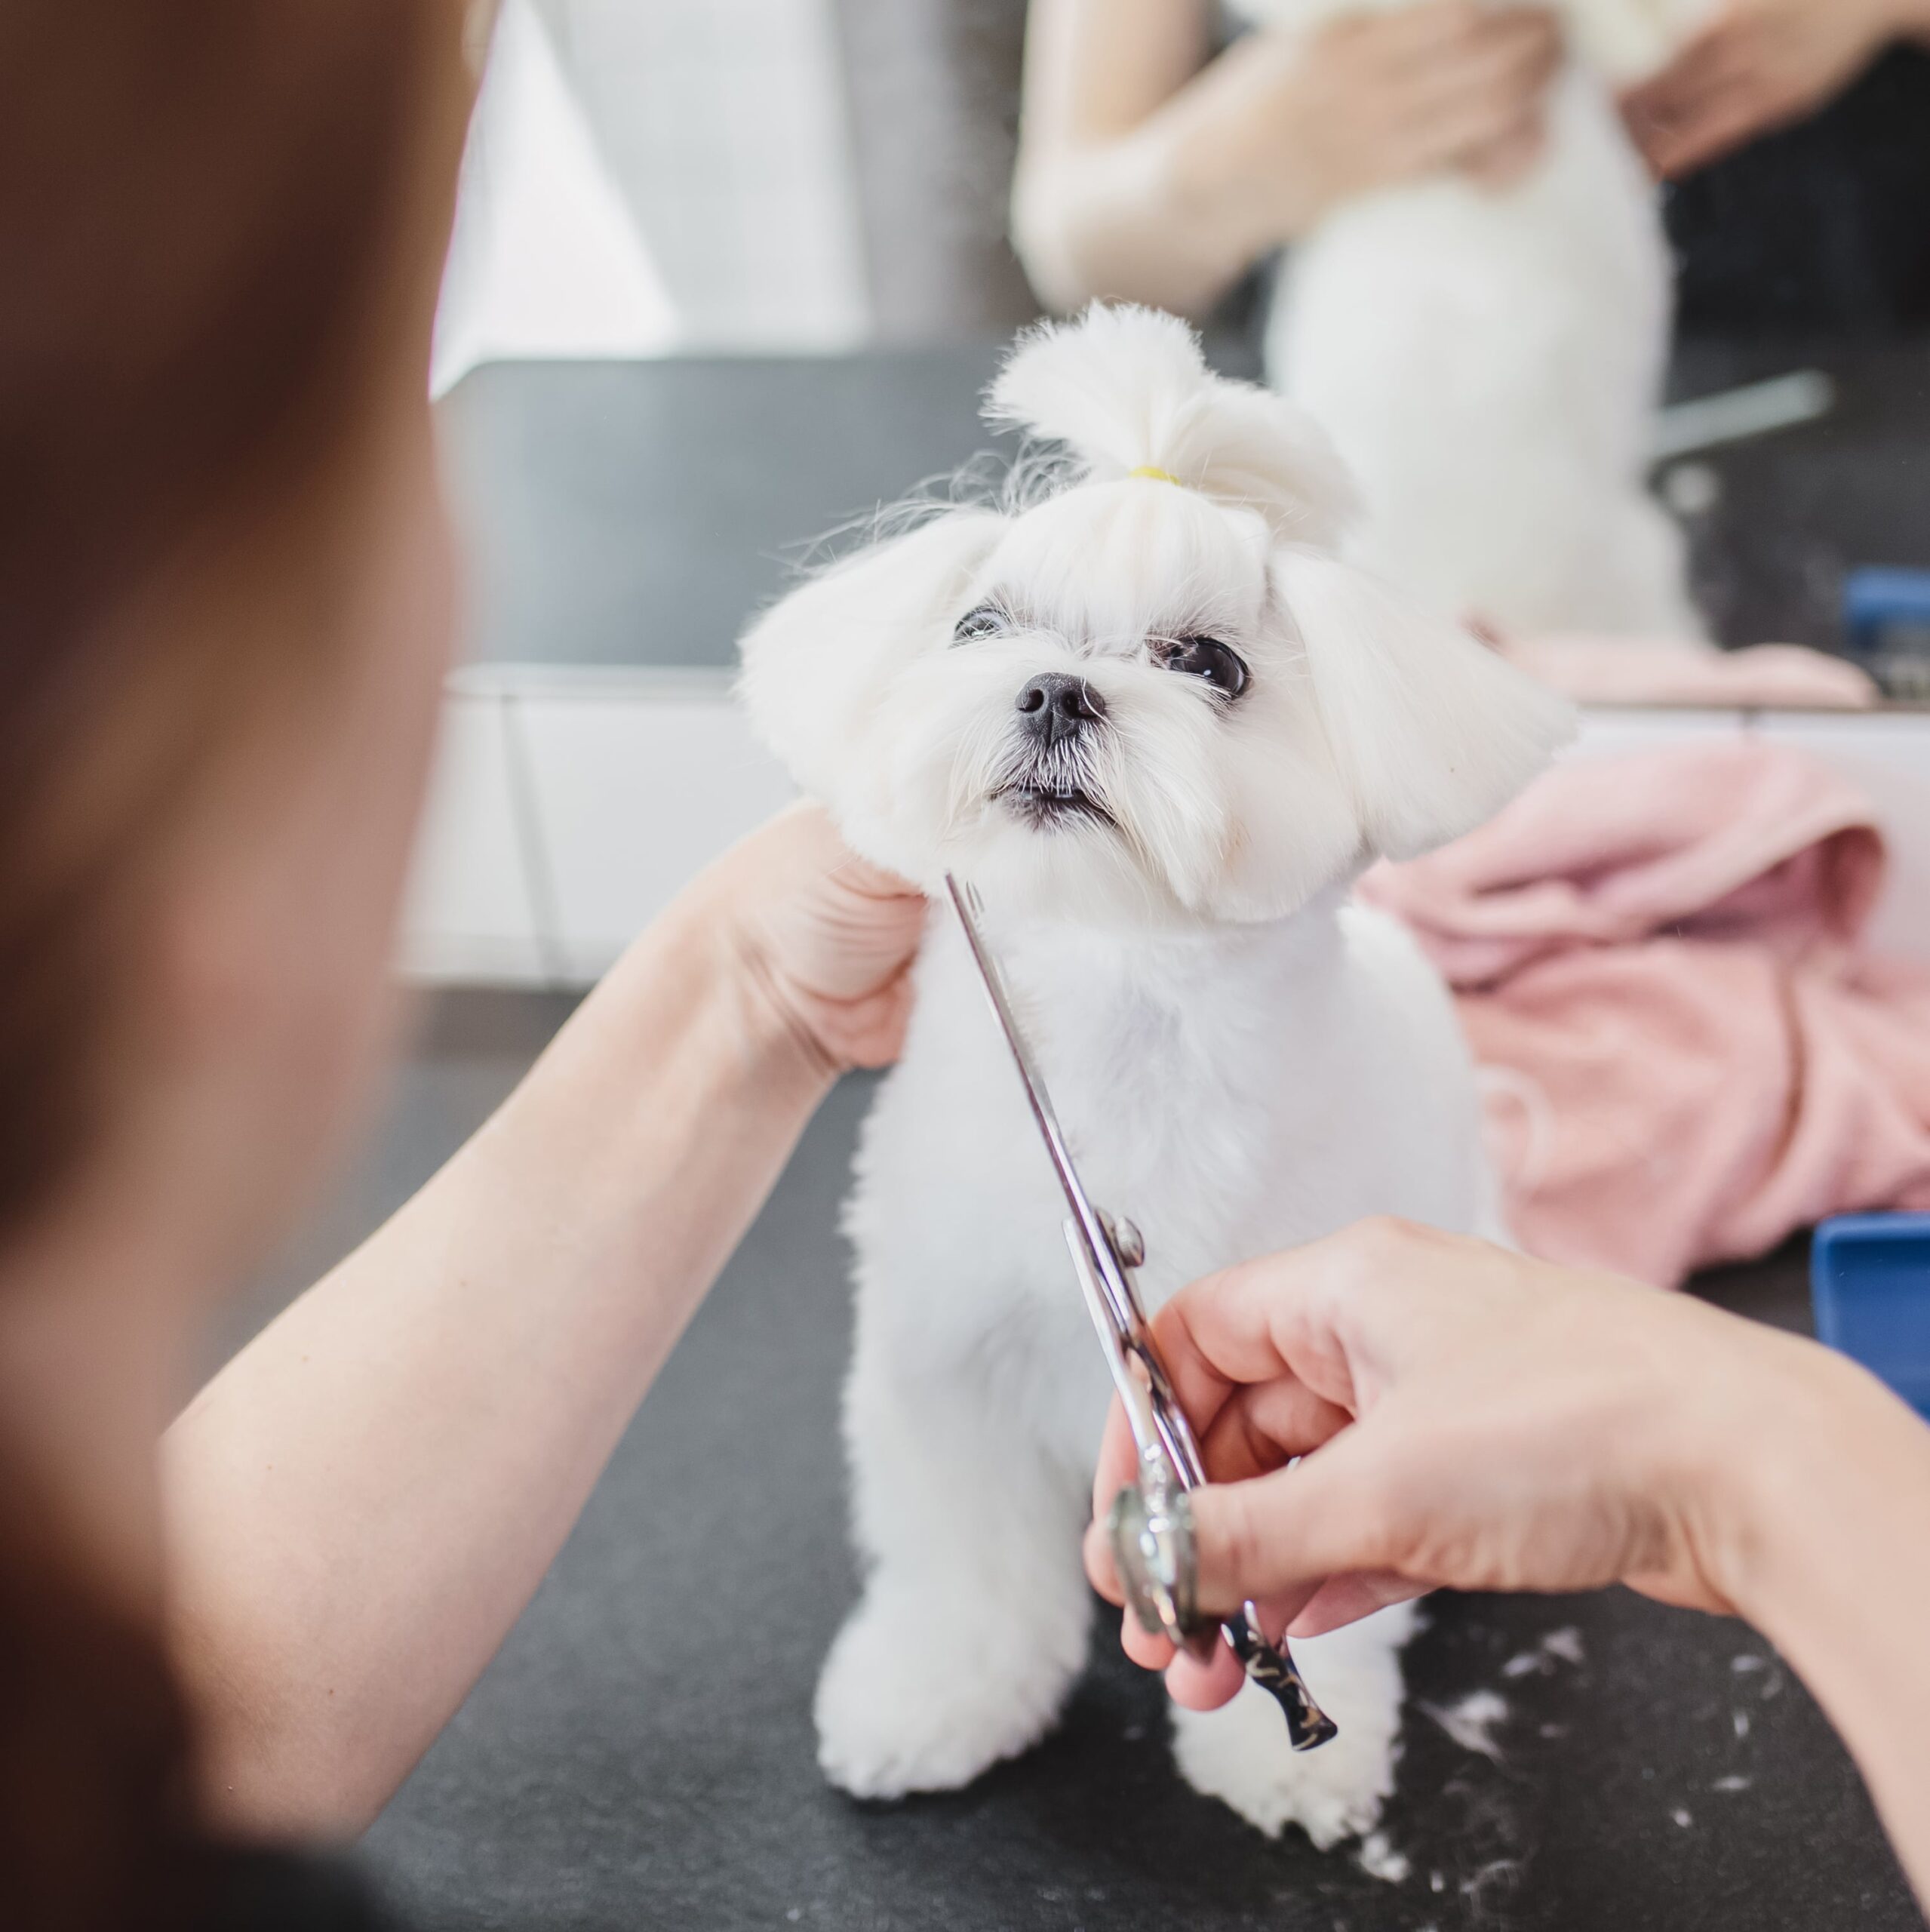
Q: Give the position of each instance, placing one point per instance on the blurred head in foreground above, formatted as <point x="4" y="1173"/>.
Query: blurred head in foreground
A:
<point x="224" y="609"/>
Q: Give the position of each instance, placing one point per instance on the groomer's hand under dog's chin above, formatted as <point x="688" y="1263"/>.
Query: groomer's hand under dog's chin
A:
<point x="824" y="936"/>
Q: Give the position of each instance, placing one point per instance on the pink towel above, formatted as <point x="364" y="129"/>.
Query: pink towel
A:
<point x="1686" y="1054"/>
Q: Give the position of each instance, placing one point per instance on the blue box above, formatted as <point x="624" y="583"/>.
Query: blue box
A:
<point x="1870" y="1279"/>
<point x="1886" y="617"/>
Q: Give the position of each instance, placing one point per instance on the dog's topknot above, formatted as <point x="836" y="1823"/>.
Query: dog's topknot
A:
<point x="1126" y="388"/>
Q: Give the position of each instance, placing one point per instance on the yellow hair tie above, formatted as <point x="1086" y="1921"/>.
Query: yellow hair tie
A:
<point x="1158" y="475"/>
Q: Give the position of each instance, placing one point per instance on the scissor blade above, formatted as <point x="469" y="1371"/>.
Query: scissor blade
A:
<point x="1160" y="1426"/>
<point x="965" y="902"/>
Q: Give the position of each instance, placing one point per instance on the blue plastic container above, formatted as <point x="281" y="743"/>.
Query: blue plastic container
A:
<point x="1869" y="1279"/>
<point x="1886" y="620"/>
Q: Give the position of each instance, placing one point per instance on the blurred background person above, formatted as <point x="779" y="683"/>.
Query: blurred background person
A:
<point x="1475" y="308"/>
<point x="1154" y="167"/>
<point x="1159" y="162"/>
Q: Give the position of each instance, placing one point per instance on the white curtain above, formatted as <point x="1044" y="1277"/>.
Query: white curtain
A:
<point x="545" y="261"/>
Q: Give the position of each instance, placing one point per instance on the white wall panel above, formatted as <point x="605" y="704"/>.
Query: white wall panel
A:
<point x="1616" y="732"/>
<point x="567" y="809"/>
<point x="633" y="794"/>
<point x="471" y="914"/>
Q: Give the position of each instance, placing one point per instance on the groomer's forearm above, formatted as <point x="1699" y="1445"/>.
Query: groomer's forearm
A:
<point x="362" y="1503"/>
<point x="1839" y="1579"/>
<point x="1136" y="219"/>
<point x="1111" y="124"/>
<point x="1172" y="210"/>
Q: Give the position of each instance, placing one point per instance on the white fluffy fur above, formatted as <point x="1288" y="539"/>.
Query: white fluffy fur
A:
<point x="1241" y="1059"/>
<point x="1489" y="364"/>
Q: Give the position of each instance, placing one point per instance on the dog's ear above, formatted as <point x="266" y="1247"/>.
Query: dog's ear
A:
<point x="816" y="664"/>
<point x="1432" y="732"/>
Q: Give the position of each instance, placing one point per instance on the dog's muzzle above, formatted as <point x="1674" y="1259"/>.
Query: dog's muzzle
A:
<point x="1050" y="782"/>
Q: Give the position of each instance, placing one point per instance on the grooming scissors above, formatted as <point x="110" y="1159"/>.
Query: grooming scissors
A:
<point x="1151" y="1524"/>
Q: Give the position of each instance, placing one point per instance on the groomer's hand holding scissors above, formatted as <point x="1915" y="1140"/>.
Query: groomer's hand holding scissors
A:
<point x="1472" y="1418"/>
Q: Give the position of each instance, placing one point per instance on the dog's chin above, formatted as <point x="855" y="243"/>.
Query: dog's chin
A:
<point x="1058" y="854"/>
<point x="1047" y="809"/>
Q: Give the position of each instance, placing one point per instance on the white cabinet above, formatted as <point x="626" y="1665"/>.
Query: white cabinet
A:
<point x="471" y="914"/>
<point x="636" y="784"/>
<point x="569" y="807"/>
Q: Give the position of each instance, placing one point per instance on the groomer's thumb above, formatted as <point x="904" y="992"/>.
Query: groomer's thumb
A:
<point x="1281" y="1535"/>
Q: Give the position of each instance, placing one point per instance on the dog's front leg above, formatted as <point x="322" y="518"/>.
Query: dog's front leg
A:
<point x="975" y="1615"/>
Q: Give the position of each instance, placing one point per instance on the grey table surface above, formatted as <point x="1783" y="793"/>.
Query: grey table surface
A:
<point x="622" y="514"/>
<point x="640" y="1753"/>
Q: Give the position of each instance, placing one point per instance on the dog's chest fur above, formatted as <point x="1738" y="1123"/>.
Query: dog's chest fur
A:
<point x="1230" y="1093"/>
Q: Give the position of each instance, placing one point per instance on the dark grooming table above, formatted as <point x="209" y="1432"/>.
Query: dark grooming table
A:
<point x="640" y="1754"/>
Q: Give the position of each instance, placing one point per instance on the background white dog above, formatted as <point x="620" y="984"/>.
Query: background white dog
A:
<point x="1161" y="727"/>
<point x="1490" y="362"/>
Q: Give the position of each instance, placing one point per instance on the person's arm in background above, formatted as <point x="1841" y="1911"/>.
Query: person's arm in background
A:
<point x="360" y="1503"/>
<point x="1148" y="171"/>
<point x="1473" y="1418"/>
<point x="1760" y="64"/>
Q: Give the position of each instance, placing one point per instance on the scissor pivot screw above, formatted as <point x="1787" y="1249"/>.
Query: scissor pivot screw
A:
<point x="1127" y="1239"/>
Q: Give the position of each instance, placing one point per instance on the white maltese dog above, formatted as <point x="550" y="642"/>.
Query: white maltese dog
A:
<point x="1144" y="709"/>
<point x="1489" y="361"/>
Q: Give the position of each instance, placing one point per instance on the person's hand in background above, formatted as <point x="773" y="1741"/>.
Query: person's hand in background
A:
<point x="1372" y="100"/>
<point x="828" y="938"/>
<point x="1759" y="65"/>
<point x="1145" y="174"/>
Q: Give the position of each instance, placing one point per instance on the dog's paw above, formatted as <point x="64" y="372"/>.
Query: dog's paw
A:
<point x="922" y="1691"/>
<point x="1239" y="1754"/>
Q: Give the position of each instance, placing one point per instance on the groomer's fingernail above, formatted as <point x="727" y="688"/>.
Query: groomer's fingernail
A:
<point x="1100" y="1571"/>
<point x="1141" y="1646"/>
<point x="1195" y="1686"/>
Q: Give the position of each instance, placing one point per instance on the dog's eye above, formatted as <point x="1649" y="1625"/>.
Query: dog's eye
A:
<point x="1206" y="657"/>
<point x="985" y="620"/>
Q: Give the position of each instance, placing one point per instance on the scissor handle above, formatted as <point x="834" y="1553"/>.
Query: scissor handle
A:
<point x="1169" y="1457"/>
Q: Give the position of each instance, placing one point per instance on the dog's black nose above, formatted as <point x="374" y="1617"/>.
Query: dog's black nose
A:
<point x="1056" y="706"/>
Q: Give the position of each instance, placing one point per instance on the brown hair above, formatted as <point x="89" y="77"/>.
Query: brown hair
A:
<point x="217" y="217"/>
